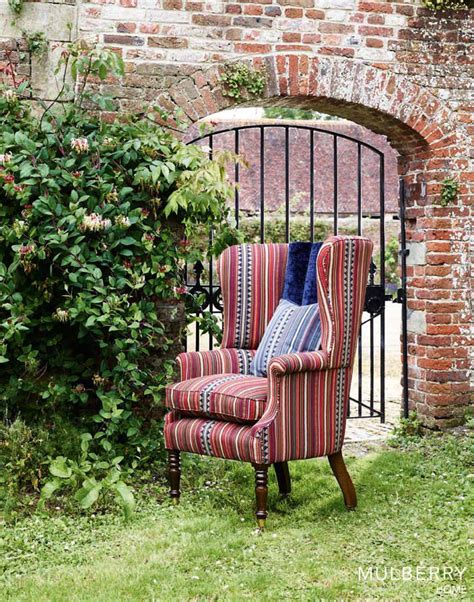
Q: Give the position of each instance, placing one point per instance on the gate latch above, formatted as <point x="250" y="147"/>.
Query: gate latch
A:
<point x="375" y="298"/>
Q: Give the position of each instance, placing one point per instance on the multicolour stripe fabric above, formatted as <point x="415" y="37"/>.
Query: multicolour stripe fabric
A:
<point x="211" y="438"/>
<point x="216" y="361"/>
<point x="231" y="397"/>
<point x="292" y="328"/>
<point x="251" y="278"/>
<point x="308" y="392"/>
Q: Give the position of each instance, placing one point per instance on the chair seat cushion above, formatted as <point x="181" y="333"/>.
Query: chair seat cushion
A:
<point x="232" y="397"/>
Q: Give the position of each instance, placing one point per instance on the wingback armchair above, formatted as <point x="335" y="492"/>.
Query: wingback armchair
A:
<point x="299" y="411"/>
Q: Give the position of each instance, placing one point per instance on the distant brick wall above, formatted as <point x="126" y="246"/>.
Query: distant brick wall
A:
<point x="393" y="67"/>
<point x="299" y="166"/>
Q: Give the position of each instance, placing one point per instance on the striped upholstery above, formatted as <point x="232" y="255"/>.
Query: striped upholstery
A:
<point x="292" y="328"/>
<point x="211" y="438"/>
<point x="252" y="278"/>
<point x="308" y="392"/>
<point x="217" y="361"/>
<point x="231" y="397"/>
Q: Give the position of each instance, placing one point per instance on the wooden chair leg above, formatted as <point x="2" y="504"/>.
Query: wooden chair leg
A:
<point x="283" y="477"/>
<point x="342" y="476"/>
<point x="261" y="492"/>
<point x="174" y="472"/>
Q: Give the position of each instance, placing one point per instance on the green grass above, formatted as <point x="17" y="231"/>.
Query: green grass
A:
<point x="413" y="510"/>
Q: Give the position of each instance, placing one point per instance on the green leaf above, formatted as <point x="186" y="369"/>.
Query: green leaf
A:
<point x="59" y="468"/>
<point x="126" y="496"/>
<point x="87" y="497"/>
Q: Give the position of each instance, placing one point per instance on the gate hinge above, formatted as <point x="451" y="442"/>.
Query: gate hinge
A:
<point x="400" y="298"/>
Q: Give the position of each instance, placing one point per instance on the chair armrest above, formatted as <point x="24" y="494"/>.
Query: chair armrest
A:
<point x="305" y="361"/>
<point x="302" y="417"/>
<point x="193" y="364"/>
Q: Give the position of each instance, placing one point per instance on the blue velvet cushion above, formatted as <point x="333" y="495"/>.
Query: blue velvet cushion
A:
<point x="292" y="328"/>
<point x="300" y="276"/>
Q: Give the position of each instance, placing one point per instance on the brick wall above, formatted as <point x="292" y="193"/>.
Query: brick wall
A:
<point x="393" y="67"/>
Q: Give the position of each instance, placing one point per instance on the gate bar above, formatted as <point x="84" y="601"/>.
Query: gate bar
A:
<point x="403" y="261"/>
<point x="382" y="282"/>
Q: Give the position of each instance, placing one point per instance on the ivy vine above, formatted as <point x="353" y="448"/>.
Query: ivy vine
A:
<point x="16" y="6"/>
<point x="449" y="191"/>
<point x="448" y="4"/>
<point x="36" y="42"/>
<point x="241" y="81"/>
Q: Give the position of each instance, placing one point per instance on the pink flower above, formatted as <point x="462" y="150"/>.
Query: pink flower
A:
<point x="76" y="174"/>
<point x="5" y="158"/>
<point x="9" y="179"/>
<point x="26" y="250"/>
<point x="94" y="223"/>
<point x="18" y="188"/>
<point x="80" y="145"/>
<point x="180" y="290"/>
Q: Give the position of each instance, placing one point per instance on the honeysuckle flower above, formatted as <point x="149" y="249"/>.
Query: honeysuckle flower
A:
<point x="122" y="221"/>
<point x="149" y="237"/>
<point x="112" y="196"/>
<point x="61" y="315"/>
<point x="80" y="145"/>
<point x="9" y="178"/>
<point x="18" y="188"/>
<point x="76" y="174"/>
<point x="10" y="95"/>
<point x="99" y="381"/>
<point x="5" y="158"/>
<point x="25" y="250"/>
<point x="19" y="227"/>
<point x="26" y="212"/>
<point x="145" y="212"/>
<point x="95" y="223"/>
<point x="180" y="290"/>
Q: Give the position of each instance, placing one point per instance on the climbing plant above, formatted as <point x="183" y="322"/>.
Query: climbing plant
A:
<point x="93" y="219"/>
<point x="449" y="191"/>
<point x="239" y="81"/>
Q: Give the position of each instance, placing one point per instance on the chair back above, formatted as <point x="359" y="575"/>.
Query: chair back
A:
<point x="342" y="268"/>
<point x="252" y="279"/>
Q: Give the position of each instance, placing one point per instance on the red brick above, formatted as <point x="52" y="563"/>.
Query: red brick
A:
<point x="376" y="7"/>
<point x="253" y="48"/>
<point x="293" y="13"/>
<point x="253" y="9"/>
<point x="123" y="40"/>
<point x="374" y="43"/>
<point x="291" y="37"/>
<point x="233" y="9"/>
<point x="315" y="14"/>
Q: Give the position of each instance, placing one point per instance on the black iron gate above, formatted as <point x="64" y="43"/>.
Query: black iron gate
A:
<point x="368" y="390"/>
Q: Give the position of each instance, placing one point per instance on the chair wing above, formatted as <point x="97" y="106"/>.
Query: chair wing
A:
<point x="251" y="278"/>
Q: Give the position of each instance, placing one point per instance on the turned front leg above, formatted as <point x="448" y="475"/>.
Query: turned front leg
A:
<point x="174" y="473"/>
<point x="261" y="493"/>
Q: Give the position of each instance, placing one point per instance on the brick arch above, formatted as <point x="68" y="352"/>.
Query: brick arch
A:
<point x="423" y="130"/>
<point x="385" y="102"/>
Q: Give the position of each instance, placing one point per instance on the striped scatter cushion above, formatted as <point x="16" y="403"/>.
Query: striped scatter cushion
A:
<point x="292" y="328"/>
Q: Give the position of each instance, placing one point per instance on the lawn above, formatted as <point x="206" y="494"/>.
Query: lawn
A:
<point x="413" y="512"/>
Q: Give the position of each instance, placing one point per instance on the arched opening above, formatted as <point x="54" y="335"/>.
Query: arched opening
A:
<point x="422" y="129"/>
<point x="306" y="176"/>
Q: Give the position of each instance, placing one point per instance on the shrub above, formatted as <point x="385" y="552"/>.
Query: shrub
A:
<point x="92" y="219"/>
